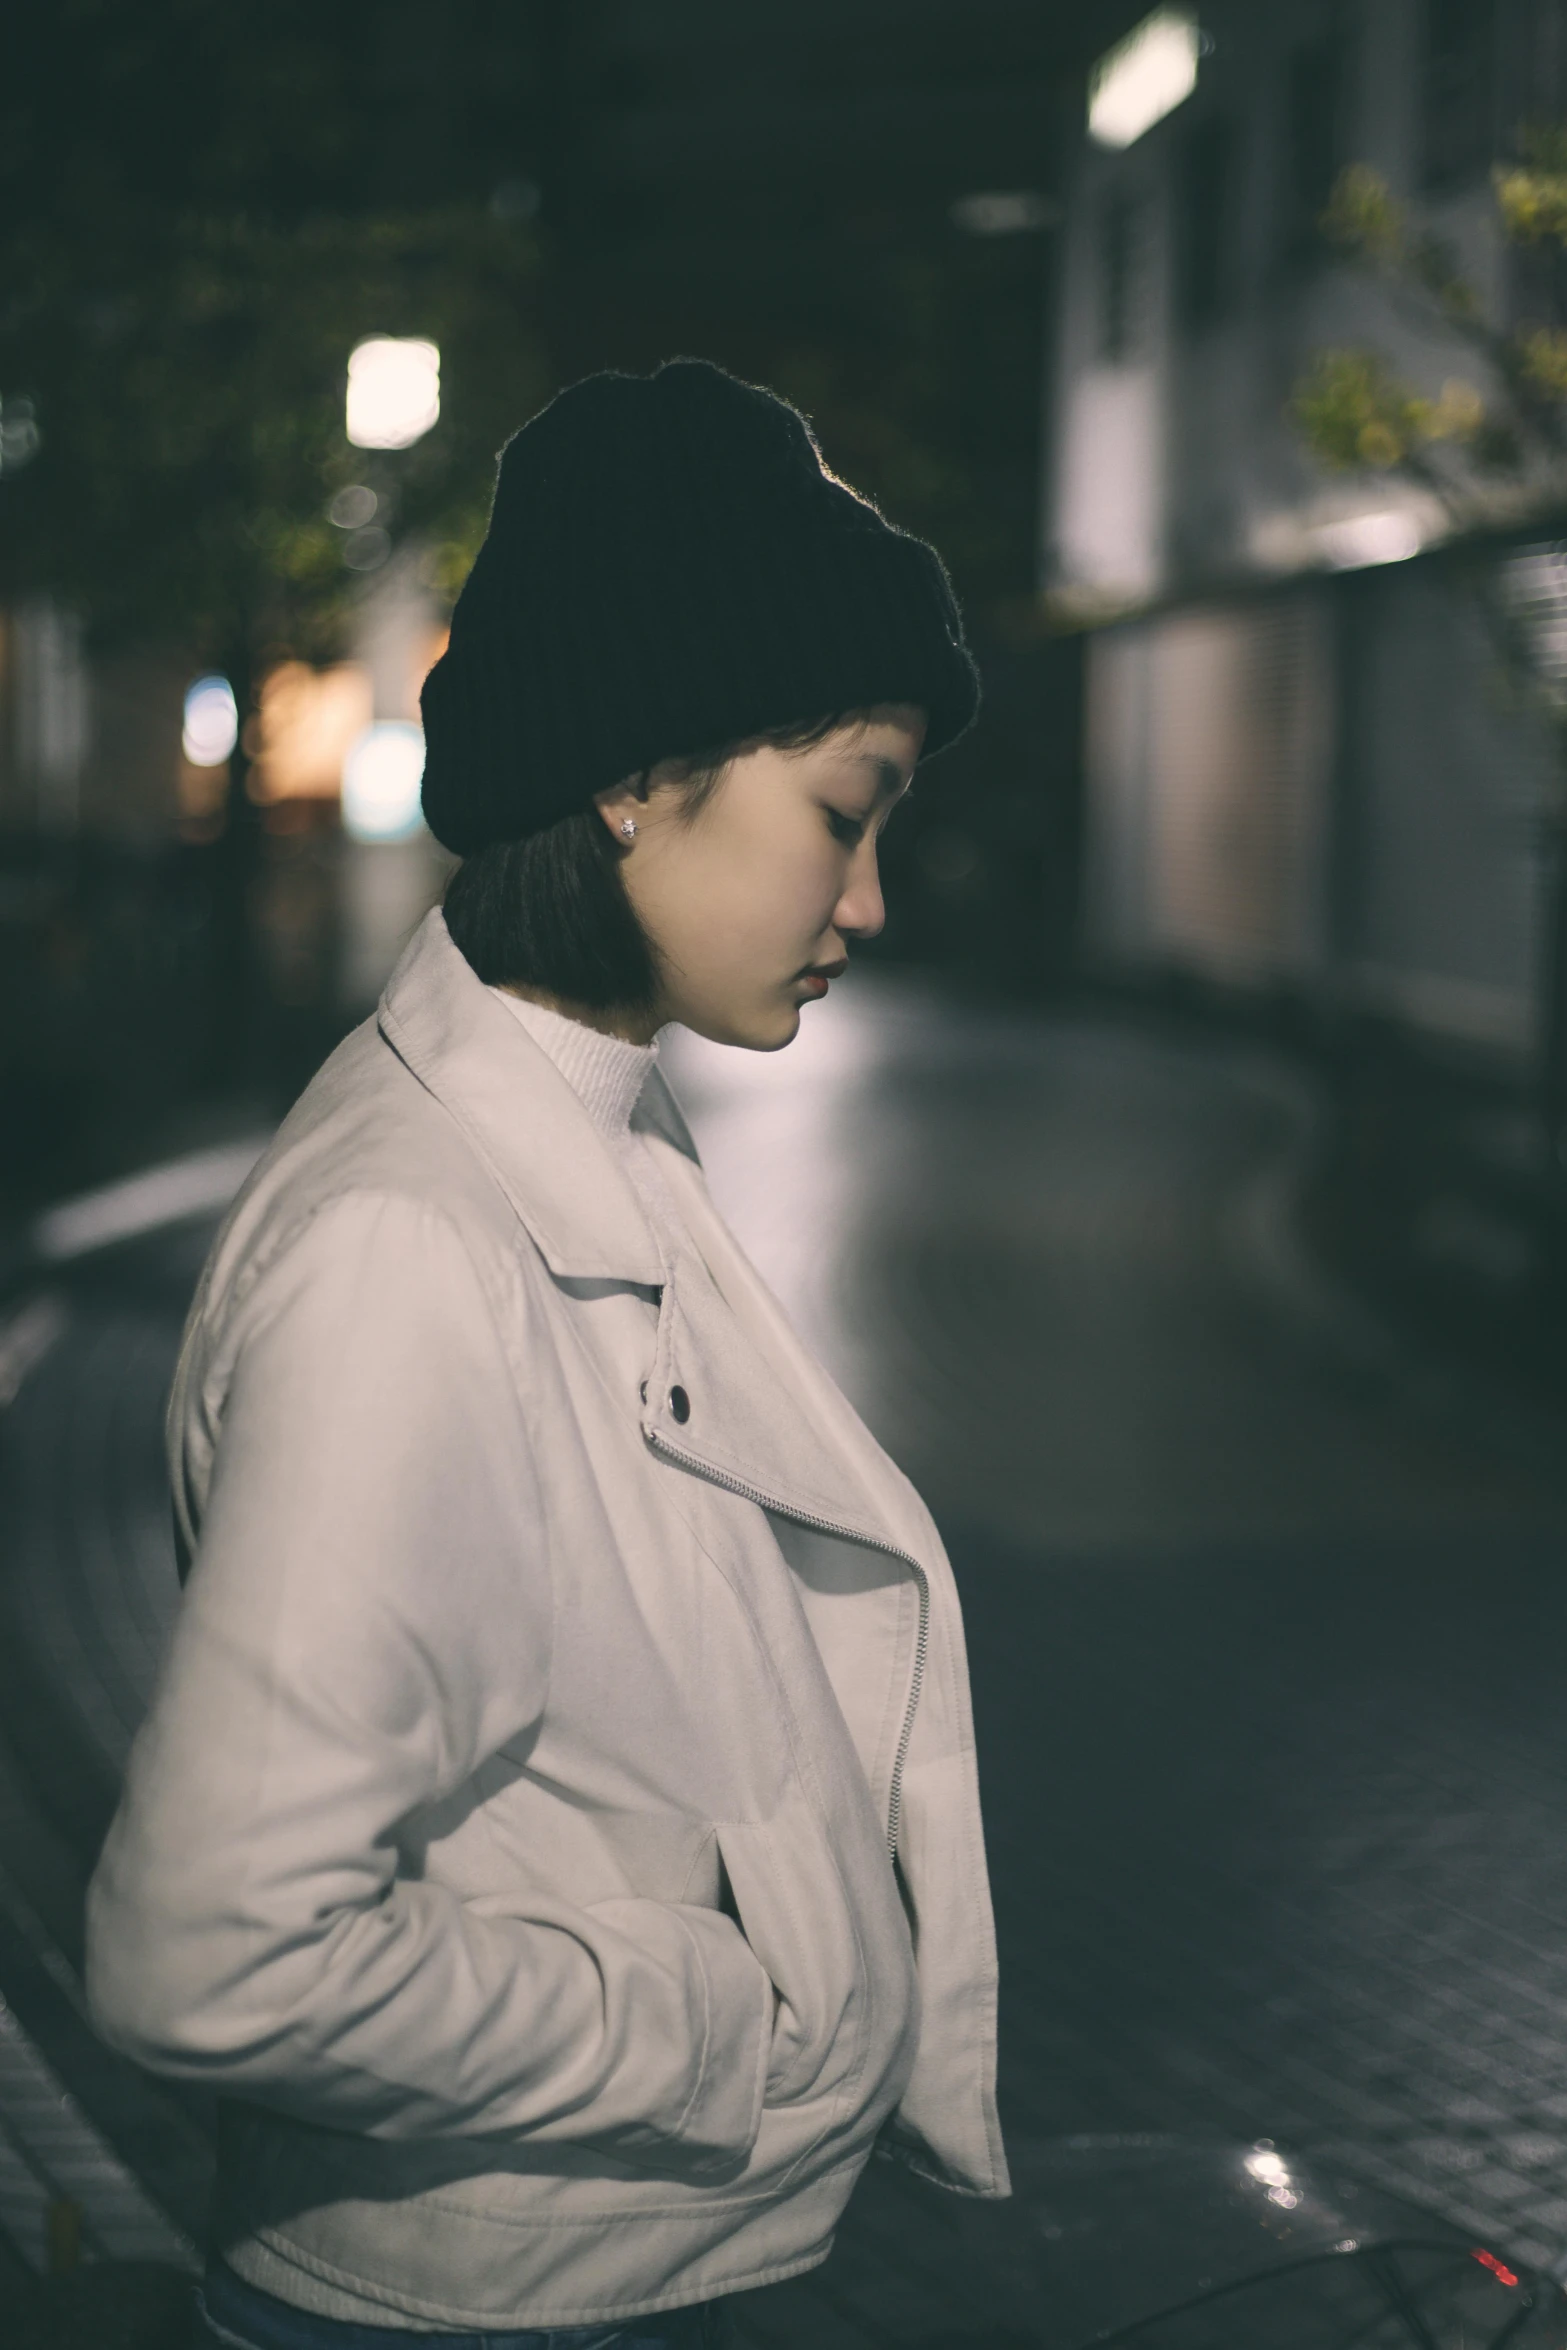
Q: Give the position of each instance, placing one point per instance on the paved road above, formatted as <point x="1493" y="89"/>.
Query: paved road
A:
<point x="1267" y="1630"/>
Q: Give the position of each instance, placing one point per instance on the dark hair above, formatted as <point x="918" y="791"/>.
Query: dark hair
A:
<point x="551" y="912"/>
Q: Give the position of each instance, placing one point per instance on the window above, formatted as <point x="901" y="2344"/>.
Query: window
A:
<point x="1458" y="89"/>
<point x="1207" y="210"/>
<point x="1312" y="144"/>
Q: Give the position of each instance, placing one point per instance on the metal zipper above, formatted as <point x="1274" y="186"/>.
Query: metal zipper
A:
<point x="916" y="1683"/>
<point x="850" y="1534"/>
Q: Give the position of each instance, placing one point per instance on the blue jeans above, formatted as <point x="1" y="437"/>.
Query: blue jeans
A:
<point x="241" y="2317"/>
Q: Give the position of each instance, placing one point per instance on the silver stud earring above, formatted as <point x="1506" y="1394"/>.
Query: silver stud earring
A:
<point x="628" y="829"/>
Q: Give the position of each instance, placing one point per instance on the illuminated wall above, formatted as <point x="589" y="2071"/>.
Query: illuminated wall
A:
<point x="1194" y="290"/>
<point x="1298" y="771"/>
<point x="1210" y="745"/>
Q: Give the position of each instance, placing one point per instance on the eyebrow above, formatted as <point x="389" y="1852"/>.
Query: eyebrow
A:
<point x="890" y="778"/>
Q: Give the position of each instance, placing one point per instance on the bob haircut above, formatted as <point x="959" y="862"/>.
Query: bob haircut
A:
<point x="551" y="912"/>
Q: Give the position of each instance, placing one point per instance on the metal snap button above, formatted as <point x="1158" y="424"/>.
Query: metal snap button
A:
<point x="679" y="1405"/>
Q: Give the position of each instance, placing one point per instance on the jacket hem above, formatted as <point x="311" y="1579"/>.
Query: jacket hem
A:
<point x="996" y="2188"/>
<point x="272" y="2264"/>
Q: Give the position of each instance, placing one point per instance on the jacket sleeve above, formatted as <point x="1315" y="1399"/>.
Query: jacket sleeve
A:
<point x="365" y="1624"/>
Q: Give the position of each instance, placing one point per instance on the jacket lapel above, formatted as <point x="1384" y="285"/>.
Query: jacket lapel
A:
<point x="760" y="1413"/>
<point x="518" y="1112"/>
<point x="733" y="1393"/>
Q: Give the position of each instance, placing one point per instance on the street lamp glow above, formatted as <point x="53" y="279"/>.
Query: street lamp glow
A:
<point x="1365" y="539"/>
<point x="1004" y="212"/>
<point x="381" y="778"/>
<point x="1143" y="78"/>
<point x="394" y="391"/>
<point x="211" y="722"/>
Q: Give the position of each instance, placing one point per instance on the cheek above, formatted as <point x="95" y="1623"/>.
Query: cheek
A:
<point x="774" y="886"/>
<point x="746" y="895"/>
<point x="794" y="885"/>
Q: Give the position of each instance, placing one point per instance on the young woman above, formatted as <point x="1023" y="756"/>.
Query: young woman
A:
<point x="555" y="1837"/>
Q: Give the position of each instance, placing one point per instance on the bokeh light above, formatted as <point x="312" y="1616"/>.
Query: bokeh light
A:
<point x="211" y="722"/>
<point x="1004" y="212"/>
<point x="353" y="507"/>
<point x="394" y="392"/>
<point x="1389" y="536"/>
<point x="20" y="438"/>
<point x="367" y="550"/>
<point x="381" y="778"/>
<point x="1143" y="78"/>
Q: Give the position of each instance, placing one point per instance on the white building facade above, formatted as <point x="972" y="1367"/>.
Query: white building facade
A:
<point x="1299" y="773"/>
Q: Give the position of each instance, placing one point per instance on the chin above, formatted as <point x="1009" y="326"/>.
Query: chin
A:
<point x="769" y="1036"/>
<point x="778" y="1027"/>
<point x="764" y="1032"/>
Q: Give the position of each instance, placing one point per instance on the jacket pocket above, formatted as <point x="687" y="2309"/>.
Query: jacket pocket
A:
<point x="812" y="1961"/>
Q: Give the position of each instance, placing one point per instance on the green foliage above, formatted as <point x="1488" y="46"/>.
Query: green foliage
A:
<point x="1533" y="206"/>
<point x="1532" y="195"/>
<point x="1543" y="361"/>
<point x="1494" y="456"/>
<point x="1352" y="411"/>
<point x="1362" y="218"/>
<point x="191" y="410"/>
<point x="1364" y="222"/>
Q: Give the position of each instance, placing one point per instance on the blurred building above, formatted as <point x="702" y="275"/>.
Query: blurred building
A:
<point x="1300" y="776"/>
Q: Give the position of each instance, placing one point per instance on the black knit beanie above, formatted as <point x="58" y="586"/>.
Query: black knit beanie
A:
<point x="670" y="567"/>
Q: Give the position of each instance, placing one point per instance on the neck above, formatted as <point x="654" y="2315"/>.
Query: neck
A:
<point x="631" y="1026"/>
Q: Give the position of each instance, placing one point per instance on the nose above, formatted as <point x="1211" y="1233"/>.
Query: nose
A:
<point x="861" y="912"/>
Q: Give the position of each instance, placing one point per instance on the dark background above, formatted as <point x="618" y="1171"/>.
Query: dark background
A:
<point x="194" y="201"/>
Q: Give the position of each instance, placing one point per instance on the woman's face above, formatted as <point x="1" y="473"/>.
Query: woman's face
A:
<point x="751" y="900"/>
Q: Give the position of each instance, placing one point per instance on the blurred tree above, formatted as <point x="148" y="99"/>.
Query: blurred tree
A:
<point x="202" y="209"/>
<point x="1492" y="452"/>
<point x="190" y="414"/>
<point x="200" y="213"/>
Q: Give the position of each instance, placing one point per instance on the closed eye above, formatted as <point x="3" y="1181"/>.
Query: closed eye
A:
<point x="848" y="829"/>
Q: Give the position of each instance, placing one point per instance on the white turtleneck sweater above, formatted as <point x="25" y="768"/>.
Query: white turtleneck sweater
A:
<point x="607" y="1074"/>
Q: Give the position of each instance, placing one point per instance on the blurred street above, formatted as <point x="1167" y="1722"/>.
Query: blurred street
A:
<point x="1265" y="1630"/>
<point x="1178" y="1185"/>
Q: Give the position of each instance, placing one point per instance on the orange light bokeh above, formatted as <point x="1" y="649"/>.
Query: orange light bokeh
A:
<point x="306" y="720"/>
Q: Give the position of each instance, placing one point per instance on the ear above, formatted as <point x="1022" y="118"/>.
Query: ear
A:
<point x="623" y="799"/>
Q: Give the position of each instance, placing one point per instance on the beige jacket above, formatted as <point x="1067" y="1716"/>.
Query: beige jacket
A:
<point x="508" y="1843"/>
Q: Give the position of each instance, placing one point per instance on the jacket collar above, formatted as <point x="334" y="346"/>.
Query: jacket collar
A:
<point x="755" y="1411"/>
<point x="521" y="1116"/>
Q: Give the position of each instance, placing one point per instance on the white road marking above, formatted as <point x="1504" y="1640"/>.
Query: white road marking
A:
<point x="25" y="1338"/>
<point x="196" y="1185"/>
